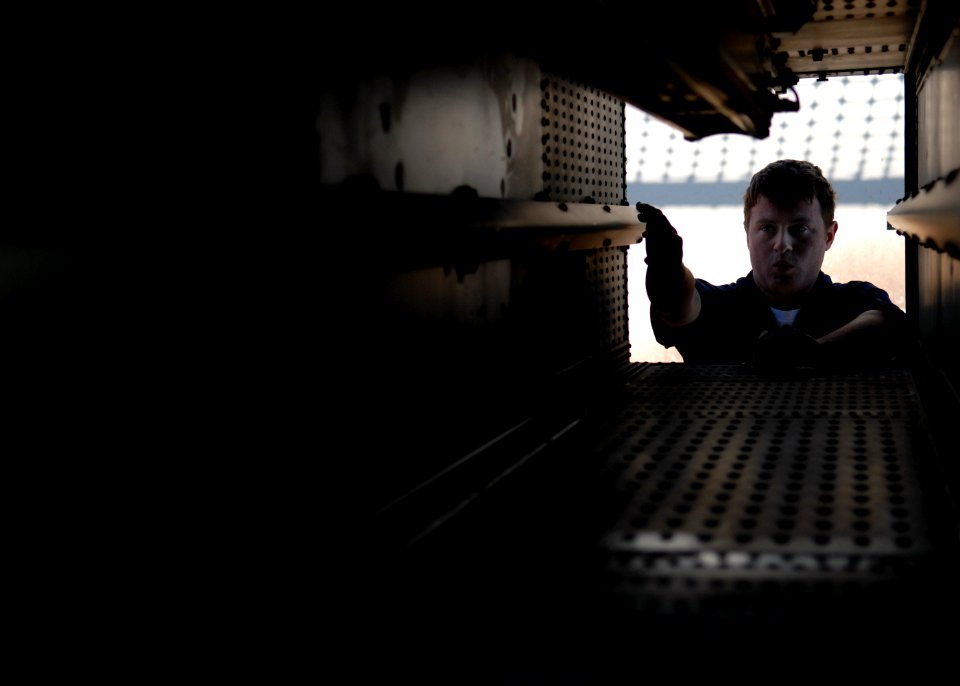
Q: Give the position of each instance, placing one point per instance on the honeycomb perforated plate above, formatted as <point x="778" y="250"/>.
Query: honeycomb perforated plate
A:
<point x="583" y="142"/>
<point x="811" y="484"/>
<point x="607" y="271"/>
<point x="723" y="482"/>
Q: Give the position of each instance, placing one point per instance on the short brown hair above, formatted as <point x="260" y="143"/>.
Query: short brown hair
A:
<point x="786" y="183"/>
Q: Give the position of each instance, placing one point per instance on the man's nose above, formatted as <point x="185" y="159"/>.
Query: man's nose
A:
<point x="783" y="241"/>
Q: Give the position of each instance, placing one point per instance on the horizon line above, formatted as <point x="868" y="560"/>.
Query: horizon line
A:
<point x="886" y="191"/>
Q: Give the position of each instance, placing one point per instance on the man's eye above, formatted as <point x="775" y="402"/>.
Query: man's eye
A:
<point x="767" y="228"/>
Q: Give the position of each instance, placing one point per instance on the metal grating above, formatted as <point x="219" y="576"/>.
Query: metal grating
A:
<point x="758" y="484"/>
<point x="726" y="487"/>
<point x="583" y="143"/>
<point x="688" y="390"/>
<point x="678" y="535"/>
<point x="607" y="271"/>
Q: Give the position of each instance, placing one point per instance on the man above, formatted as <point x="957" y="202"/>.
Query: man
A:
<point x="785" y="313"/>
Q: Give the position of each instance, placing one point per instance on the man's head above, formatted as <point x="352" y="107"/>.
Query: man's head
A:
<point x="788" y="216"/>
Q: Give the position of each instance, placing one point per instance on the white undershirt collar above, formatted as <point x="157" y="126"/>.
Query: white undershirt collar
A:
<point x="784" y="317"/>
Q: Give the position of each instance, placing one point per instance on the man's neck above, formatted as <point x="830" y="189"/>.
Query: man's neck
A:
<point x="792" y="303"/>
<point x="789" y="302"/>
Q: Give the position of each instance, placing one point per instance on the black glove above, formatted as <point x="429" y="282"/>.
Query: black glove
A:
<point x="785" y="349"/>
<point x="665" y="279"/>
<point x="664" y="244"/>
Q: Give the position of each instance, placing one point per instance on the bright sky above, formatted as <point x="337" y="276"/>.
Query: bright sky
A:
<point x="852" y="127"/>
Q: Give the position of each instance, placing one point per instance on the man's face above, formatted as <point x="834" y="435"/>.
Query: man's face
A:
<point x="787" y="245"/>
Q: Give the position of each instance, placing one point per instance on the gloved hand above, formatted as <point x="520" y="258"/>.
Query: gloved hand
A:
<point x="664" y="244"/>
<point x="666" y="277"/>
<point x="785" y="348"/>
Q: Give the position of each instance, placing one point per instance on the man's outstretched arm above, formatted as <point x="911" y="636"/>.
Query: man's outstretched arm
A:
<point x="670" y="284"/>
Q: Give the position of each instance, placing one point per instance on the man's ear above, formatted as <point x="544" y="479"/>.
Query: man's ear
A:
<point x="831" y="233"/>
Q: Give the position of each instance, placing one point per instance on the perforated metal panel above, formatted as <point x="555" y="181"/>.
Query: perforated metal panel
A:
<point x="727" y="487"/>
<point x="607" y="272"/>
<point x="583" y="143"/>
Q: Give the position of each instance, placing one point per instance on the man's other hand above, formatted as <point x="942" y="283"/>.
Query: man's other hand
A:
<point x="786" y="348"/>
